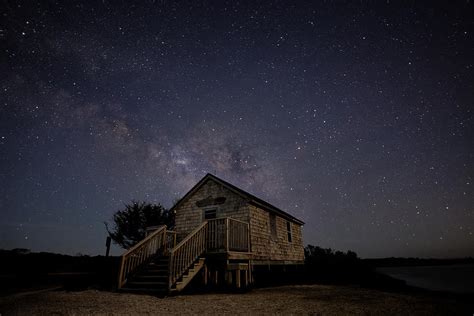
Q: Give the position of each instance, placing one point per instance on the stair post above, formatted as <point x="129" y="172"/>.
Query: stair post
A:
<point x="227" y="234"/>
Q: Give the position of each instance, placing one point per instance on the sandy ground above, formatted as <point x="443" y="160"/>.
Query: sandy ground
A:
<point x="301" y="300"/>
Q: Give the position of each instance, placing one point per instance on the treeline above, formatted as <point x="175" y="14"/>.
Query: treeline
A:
<point x="399" y="262"/>
<point x="315" y="255"/>
<point x="337" y="267"/>
<point x="24" y="269"/>
<point x="21" y="261"/>
<point x="327" y="265"/>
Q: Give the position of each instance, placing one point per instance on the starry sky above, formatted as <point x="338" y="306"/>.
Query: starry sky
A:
<point x="354" y="116"/>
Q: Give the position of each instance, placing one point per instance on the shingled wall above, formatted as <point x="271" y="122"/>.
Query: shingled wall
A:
<point x="189" y="215"/>
<point x="265" y="246"/>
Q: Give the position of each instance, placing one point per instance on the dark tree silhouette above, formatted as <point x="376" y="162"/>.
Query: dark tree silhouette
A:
<point x="327" y="265"/>
<point x="130" y="223"/>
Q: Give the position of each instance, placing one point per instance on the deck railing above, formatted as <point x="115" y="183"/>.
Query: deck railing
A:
<point x="216" y="234"/>
<point x="227" y="234"/>
<point x="237" y="235"/>
<point x="186" y="252"/>
<point x="161" y="239"/>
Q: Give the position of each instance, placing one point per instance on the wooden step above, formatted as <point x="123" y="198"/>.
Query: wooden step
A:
<point x="147" y="284"/>
<point x="154" y="271"/>
<point x="147" y="277"/>
<point x="156" y="268"/>
<point x="159" y="264"/>
<point x="188" y="276"/>
<point x="161" y="259"/>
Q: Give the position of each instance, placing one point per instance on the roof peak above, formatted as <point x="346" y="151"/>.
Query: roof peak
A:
<point x="257" y="201"/>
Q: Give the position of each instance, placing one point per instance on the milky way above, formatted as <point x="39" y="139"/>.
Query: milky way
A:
<point x="354" y="116"/>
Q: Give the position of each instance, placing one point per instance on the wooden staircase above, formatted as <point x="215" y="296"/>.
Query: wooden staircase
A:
<point x="152" y="267"/>
<point x="157" y="265"/>
<point x="189" y="275"/>
<point x="152" y="278"/>
<point x="185" y="258"/>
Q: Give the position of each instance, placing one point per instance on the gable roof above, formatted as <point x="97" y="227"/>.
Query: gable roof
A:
<point x="252" y="198"/>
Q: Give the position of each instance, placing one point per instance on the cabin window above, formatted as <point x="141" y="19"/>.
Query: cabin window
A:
<point x="210" y="213"/>
<point x="288" y="230"/>
<point x="273" y="226"/>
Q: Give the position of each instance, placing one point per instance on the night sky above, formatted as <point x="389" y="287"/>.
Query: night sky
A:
<point x="356" y="117"/>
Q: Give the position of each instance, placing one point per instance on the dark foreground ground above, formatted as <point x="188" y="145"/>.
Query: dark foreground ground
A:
<point x="294" y="299"/>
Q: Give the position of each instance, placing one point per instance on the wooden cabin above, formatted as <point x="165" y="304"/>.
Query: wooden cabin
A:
<point x="221" y="234"/>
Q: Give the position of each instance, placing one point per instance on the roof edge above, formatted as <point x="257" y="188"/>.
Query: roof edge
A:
<point x="253" y="199"/>
<point x="194" y="188"/>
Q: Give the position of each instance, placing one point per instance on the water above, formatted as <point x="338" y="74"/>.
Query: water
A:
<point x="452" y="278"/>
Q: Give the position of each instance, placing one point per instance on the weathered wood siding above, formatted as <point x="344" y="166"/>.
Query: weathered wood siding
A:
<point x="265" y="246"/>
<point x="189" y="215"/>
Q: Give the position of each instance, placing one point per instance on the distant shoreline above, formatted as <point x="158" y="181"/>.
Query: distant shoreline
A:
<point x="410" y="262"/>
<point x="457" y="278"/>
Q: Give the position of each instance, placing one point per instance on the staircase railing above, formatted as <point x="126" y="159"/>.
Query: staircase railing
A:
<point x="186" y="252"/>
<point x="141" y="252"/>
